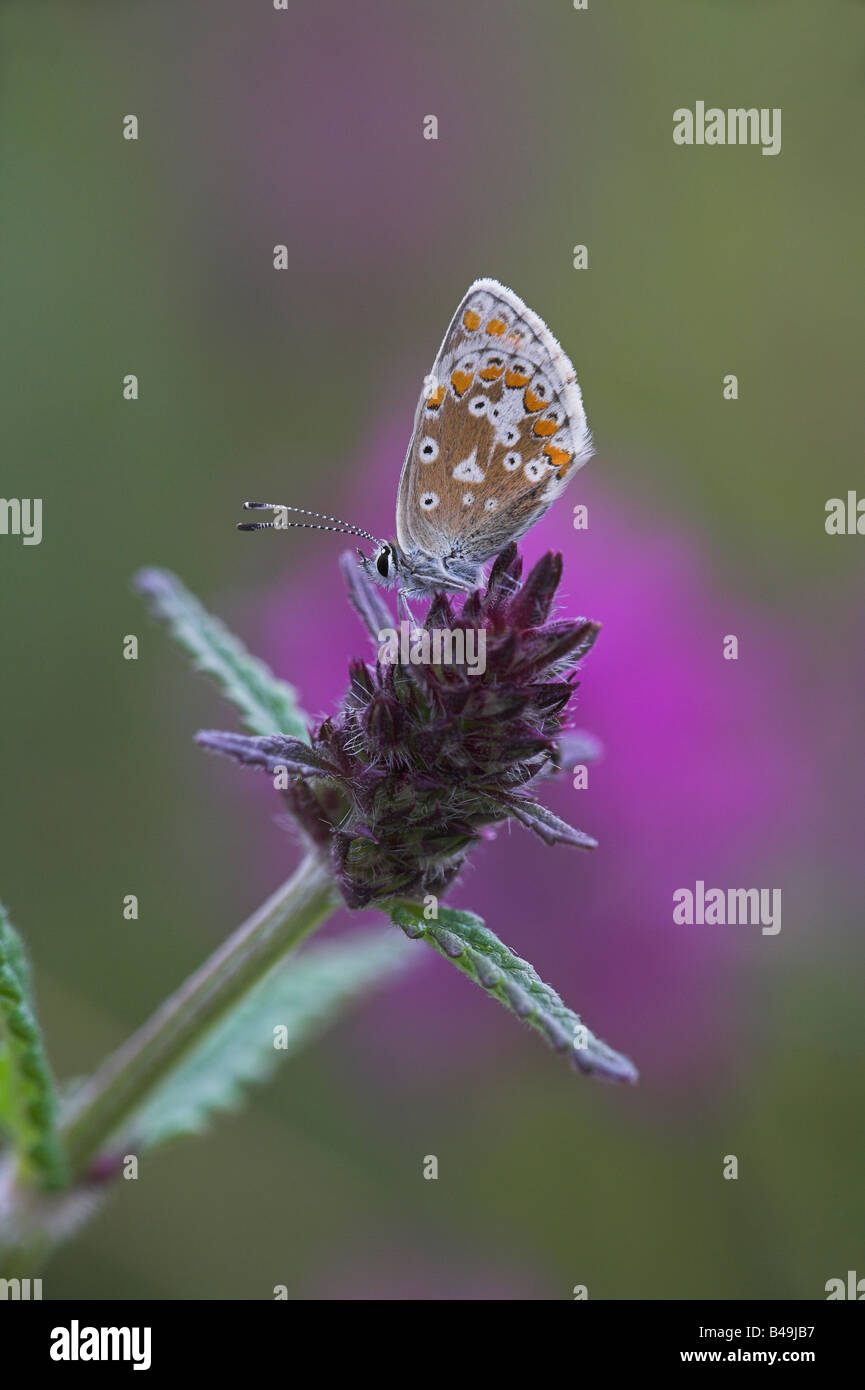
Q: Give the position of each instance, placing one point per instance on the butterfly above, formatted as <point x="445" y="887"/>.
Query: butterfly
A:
<point x="499" y="431"/>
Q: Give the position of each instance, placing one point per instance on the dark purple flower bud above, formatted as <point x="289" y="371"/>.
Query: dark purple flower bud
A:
<point x="426" y="756"/>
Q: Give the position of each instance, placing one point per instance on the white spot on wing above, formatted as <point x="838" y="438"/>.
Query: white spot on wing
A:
<point x="469" y="471"/>
<point x="535" y="470"/>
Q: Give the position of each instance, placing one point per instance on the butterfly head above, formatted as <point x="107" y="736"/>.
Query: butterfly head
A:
<point x="383" y="566"/>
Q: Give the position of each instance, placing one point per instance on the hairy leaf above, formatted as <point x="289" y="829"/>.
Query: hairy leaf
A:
<point x="302" y="995"/>
<point x="464" y="939"/>
<point x="28" y="1103"/>
<point x="267" y="705"/>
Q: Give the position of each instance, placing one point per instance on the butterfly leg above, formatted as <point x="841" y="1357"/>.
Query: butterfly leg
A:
<point x="402" y="602"/>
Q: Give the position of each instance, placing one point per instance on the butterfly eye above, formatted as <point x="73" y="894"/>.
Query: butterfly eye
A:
<point x="512" y="461"/>
<point x="429" y="450"/>
<point x="478" y="406"/>
<point x="382" y="561"/>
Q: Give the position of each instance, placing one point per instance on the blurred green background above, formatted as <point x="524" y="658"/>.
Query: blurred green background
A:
<point x="260" y="127"/>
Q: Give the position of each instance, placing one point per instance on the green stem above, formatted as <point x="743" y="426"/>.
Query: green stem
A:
<point x="109" y="1097"/>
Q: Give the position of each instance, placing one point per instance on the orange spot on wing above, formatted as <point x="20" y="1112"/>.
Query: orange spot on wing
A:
<point x="545" y="427"/>
<point x="436" y="398"/>
<point x="496" y="327"/>
<point x="491" y="373"/>
<point x="471" y="320"/>
<point x="532" y="401"/>
<point x="461" y="381"/>
<point x="559" y="458"/>
<point x="515" y="378"/>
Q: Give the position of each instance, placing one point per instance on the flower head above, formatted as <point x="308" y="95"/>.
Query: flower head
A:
<point x="426" y="756"/>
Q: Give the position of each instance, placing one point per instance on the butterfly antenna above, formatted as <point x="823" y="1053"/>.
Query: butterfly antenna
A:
<point x="344" y="526"/>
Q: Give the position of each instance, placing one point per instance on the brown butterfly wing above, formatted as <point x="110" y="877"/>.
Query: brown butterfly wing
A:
<point x="499" y="431"/>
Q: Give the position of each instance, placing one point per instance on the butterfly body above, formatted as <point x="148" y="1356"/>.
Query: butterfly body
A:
<point x="418" y="574"/>
<point x="499" y="431"/>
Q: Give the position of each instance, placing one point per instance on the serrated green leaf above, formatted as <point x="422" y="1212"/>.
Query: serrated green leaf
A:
<point x="28" y="1103"/>
<point x="302" y="995"/>
<point x="465" y="940"/>
<point x="267" y="705"/>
